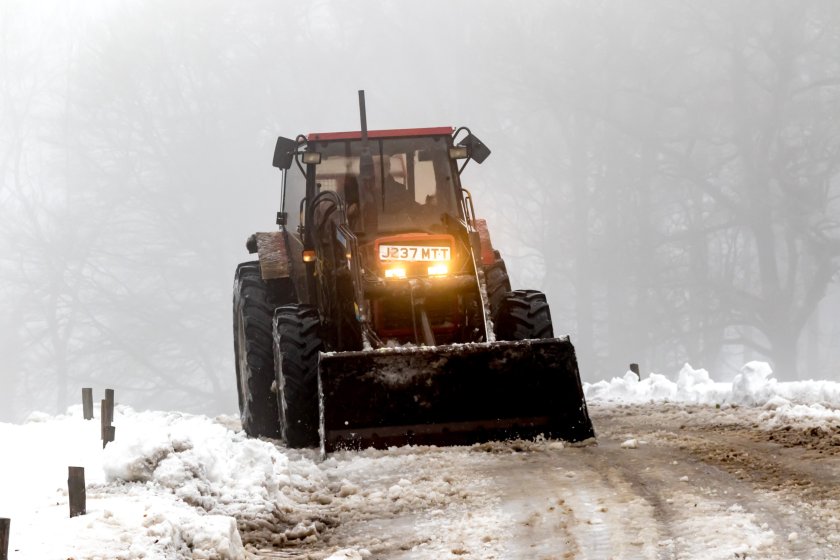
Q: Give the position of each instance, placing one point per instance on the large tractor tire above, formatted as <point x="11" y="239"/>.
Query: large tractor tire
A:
<point x="296" y="345"/>
<point x="252" y="344"/>
<point x="497" y="283"/>
<point x="524" y="314"/>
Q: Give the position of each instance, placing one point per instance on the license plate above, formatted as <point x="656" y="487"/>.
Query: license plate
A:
<point x="413" y="253"/>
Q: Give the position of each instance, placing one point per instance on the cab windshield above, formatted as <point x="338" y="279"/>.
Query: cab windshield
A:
<point x="412" y="186"/>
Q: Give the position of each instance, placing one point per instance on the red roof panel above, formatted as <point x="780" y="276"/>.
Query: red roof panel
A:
<point x="393" y="133"/>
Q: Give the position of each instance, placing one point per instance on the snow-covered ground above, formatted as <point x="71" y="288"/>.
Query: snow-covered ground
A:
<point x="182" y="486"/>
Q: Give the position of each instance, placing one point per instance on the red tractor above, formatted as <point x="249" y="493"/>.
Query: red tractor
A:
<point x="380" y="313"/>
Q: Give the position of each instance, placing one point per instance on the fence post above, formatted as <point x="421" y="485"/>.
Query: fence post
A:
<point x="87" y="403"/>
<point x="76" y="490"/>
<point x="105" y="422"/>
<point x="4" y="537"/>
<point x="109" y="398"/>
<point x="107" y="415"/>
<point x="635" y="369"/>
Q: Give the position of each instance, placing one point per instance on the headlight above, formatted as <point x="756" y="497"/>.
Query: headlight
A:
<point x="438" y="269"/>
<point x="395" y="272"/>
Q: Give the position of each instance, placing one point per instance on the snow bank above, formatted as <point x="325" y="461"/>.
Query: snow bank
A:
<point x="692" y="386"/>
<point x="754" y="384"/>
<point x="201" y="486"/>
<point x="204" y="463"/>
<point x="800" y="402"/>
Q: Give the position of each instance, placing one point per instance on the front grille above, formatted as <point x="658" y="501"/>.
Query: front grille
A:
<point x="392" y="318"/>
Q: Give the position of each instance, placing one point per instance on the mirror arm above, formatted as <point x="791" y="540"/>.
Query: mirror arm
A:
<point x="301" y="141"/>
<point x="281" y="215"/>
<point x="302" y="219"/>
<point x="458" y="131"/>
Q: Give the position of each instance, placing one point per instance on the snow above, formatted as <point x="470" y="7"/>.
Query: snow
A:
<point x="732" y="533"/>
<point x="349" y="554"/>
<point x="692" y="386"/>
<point x="807" y="403"/>
<point x="175" y="485"/>
<point x="172" y="485"/>
<point x="631" y="443"/>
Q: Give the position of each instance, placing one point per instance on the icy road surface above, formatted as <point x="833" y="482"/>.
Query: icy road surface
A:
<point x="664" y="481"/>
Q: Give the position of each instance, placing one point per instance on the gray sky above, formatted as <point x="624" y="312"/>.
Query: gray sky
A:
<point x="637" y="147"/>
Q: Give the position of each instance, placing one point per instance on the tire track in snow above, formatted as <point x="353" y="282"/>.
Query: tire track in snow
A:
<point x="637" y="510"/>
<point x="787" y="493"/>
<point x="690" y="519"/>
<point x="532" y="492"/>
<point x="800" y="489"/>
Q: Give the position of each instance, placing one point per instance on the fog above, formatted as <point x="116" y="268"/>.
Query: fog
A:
<point x="666" y="171"/>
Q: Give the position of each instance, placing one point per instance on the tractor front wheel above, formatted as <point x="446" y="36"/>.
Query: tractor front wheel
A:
<point x="498" y="285"/>
<point x="296" y="345"/>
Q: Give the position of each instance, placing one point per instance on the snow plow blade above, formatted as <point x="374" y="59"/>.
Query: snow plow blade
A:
<point x="452" y="395"/>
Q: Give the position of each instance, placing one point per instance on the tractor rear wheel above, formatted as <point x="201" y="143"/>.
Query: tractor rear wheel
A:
<point x="253" y="354"/>
<point x="524" y="314"/>
<point x="297" y="342"/>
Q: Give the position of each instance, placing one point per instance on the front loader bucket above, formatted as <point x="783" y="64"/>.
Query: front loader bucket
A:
<point x="452" y="395"/>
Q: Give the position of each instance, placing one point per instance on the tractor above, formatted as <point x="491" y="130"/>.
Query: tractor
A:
<point x="380" y="313"/>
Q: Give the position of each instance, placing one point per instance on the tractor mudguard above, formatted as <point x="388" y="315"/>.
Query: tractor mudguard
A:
<point x="273" y="255"/>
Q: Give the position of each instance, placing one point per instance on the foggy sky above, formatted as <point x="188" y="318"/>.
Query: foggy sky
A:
<point x="659" y="168"/>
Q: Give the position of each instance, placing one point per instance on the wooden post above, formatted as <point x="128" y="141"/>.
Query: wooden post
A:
<point x="4" y="538"/>
<point x="87" y="403"/>
<point x="105" y="422"/>
<point x="111" y="431"/>
<point x="107" y="415"/>
<point x="76" y="490"/>
<point x="635" y="369"/>
<point x="109" y="397"/>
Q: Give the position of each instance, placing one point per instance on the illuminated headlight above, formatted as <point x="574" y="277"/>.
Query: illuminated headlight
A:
<point x="438" y="269"/>
<point x="395" y="272"/>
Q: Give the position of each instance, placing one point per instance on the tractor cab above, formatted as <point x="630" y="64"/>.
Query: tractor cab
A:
<point x="387" y="206"/>
<point x="387" y="181"/>
<point x="411" y="184"/>
<point x="384" y="214"/>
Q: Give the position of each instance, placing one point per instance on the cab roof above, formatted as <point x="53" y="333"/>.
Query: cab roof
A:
<point x="392" y="133"/>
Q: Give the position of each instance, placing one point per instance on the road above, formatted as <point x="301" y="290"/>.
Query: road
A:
<point x="662" y="482"/>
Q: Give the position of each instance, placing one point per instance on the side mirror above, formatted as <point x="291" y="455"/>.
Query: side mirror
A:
<point x="475" y="147"/>
<point x="284" y="153"/>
